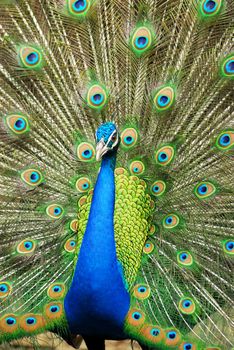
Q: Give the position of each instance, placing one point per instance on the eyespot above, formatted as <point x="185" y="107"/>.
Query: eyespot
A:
<point x="152" y="205"/>
<point x="153" y="229"/>
<point x="173" y="337"/>
<point x="141" y="291"/>
<point x="158" y="188"/>
<point x="137" y="167"/>
<point x="135" y="317"/>
<point x="70" y="245"/>
<point x="187" y="346"/>
<point x="56" y="290"/>
<point x="153" y="334"/>
<point x="5" y="289"/>
<point x="55" y="211"/>
<point x="96" y="97"/>
<point x="31" y="322"/>
<point x="171" y="221"/>
<point x="185" y="259"/>
<point x="54" y="310"/>
<point x="85" y="152"/>
<point x="229" y="66"/>
<point x="9" y="323"/>
<point x="120" y="171"/>
<point x="83" y="184"/>
<point x="148" y="247"/>
<point x="27" y="246"/>
<point x="78" y="7"/>
<point x="17" y="123"/>
<point x="164" y="98"/>
<point x="187" y="306"/>
<point x="32" y="177"/>
<point x="210" y="7"/>
<point x="141" y="40"/>
<point x="205" y="190"/>
<point x="164" y="155"/>
<point x="74" y="224"/>
<point x="225" y="140"/>
<point x="82" y="201"/>
<point x="129" y="138"/>
<point x="30" y="57"/>
<point x="228" y="247"/>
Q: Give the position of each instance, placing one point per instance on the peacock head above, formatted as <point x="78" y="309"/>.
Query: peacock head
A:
<point x="107" y="138"/>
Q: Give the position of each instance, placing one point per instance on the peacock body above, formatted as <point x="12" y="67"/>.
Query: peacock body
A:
<point x="141" y="247"/>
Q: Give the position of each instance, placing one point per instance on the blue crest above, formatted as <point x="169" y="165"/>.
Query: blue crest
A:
<point x="105" y="131"/>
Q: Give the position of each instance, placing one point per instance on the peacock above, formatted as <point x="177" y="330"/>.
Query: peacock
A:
<point x="116" y="172"/>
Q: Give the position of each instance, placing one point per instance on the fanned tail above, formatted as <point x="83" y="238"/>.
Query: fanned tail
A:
<point x="163" y="71"/>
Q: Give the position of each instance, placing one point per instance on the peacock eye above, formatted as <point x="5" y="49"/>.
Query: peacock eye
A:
<point x="31" y="322"/>
<point x="136" y="315"/>
<point x="30" y="57"/>
<point x="148" y="247"/>
<point x="228" y="247"/>
<point x="54" y="310"/>
<point x="210" y="7"/>
<point x="185" y="259"/>
<point x="142" y="40"/>
<point x="154" y="334"/>
<point x="32" y="177"/>
<point x="56" y="290"/>
<point x="11" y="321"/>
<point x="205" y="190"/>
<point x="187" y="306"/>
<point x="27" y="246"/>
<point x="164" y="98"/>
<point x="171" y="221"/>
<point x="164" y="155"/>
<point x="172" y="337"/>
<point x="227" y="67"/>
<point x="129" y="138"/>
<point x="83" y="184"/>
<point x="85" y="152"/>
<point x="141" y="291"/>
<point x="78" y="7"/>
<point x="137" y="167"/>
<point x="5" y="289"/>
<point x="230" y="66"/>
<point x="17" y="123"/>
<point x="97" y="97"/>
<point x="158" y="188"/>
<point x="225" y="140"/>
<point x="70" y="245"/>
<point x="55" y="211"/>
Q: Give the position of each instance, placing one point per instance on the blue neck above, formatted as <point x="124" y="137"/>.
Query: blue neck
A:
<point x="101" y="217"/>
<point x="97" y="301"/>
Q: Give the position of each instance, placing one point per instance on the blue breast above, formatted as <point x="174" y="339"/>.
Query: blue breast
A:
<point x="97" y="301"/>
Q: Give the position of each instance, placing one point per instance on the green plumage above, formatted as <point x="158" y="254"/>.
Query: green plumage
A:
<point x="163" y="72"/>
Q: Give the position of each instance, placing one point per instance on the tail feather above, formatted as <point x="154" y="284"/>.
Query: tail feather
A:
<point x="177" y="97"/>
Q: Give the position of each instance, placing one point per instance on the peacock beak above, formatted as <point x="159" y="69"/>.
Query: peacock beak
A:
<point x="101" y="149"/>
